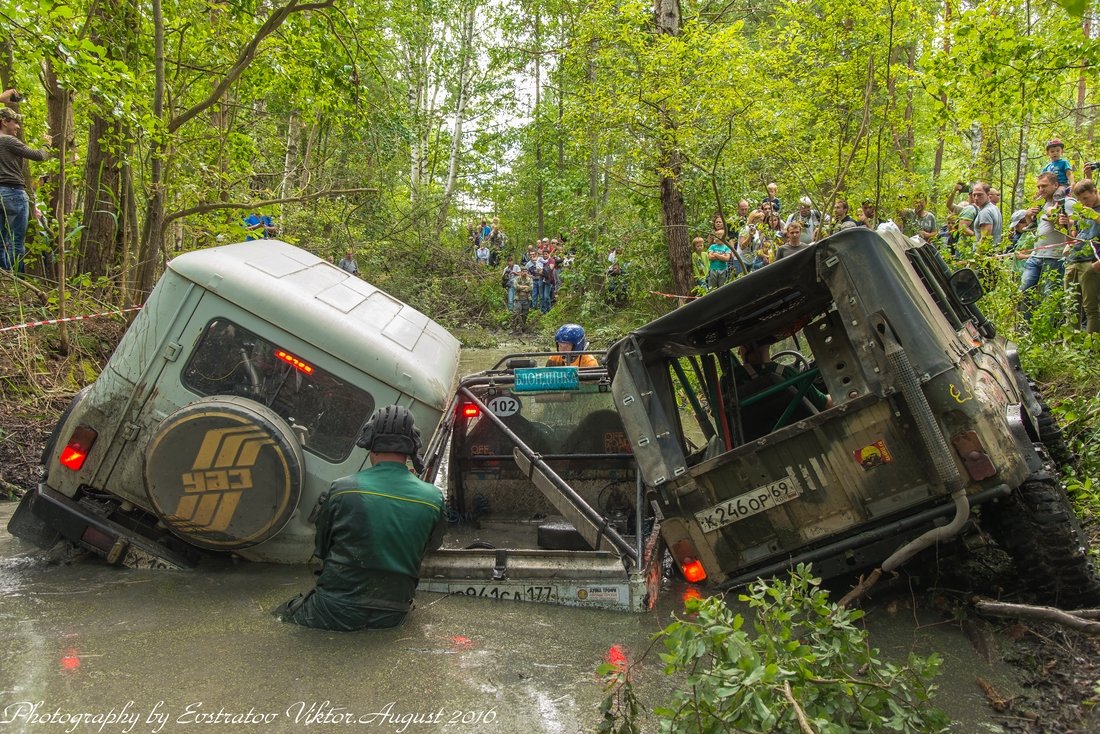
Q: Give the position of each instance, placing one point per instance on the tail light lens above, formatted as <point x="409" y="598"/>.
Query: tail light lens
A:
<point x="76" y="450"/>
<point x="469" y="410"/>
<point x="688" y="561"/>
<point x="693" y="570"/>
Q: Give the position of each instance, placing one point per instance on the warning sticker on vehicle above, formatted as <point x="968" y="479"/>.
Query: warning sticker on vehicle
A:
<point x="874" y="455"/>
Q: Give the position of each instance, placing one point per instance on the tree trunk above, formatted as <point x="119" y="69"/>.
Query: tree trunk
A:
<point x="540" y="214"/>
<point x="290" y="160"/>
<point x="100" y="238"/>
<point x="59" y="120"/>
<point x="1079" y="113"/>
<point x="465" y="51"/>
<point x="152" y="233"/>
<point x="104" y="207"/>
<point x="593" y="145"/>
<point x="937" y="165"/>
<point x="673" y="217"/>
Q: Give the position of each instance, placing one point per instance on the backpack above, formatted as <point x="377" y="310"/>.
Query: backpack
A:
<point x="506" y="278"/>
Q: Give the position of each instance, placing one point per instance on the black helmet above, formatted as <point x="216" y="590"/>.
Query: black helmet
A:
<point x="392" y="429"/>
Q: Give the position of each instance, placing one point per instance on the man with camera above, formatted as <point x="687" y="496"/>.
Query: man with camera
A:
<point x="1082" y="256"/>
<point x="14" y="204"/>
<point x="1047" y="253"/>
<point x="961" y="218"/>
<point x="1090" y="167"/>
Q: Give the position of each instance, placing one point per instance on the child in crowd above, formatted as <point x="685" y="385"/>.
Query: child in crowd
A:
<point x="1058" y="165"/>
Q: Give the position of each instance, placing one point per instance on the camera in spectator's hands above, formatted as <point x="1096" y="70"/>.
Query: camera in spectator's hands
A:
<point x="964" y="188"/>
<point x="1093" y="166"/>
<point x="17" y="97"/>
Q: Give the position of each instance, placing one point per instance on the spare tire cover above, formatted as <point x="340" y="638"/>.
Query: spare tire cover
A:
<point x="224" y="472"/>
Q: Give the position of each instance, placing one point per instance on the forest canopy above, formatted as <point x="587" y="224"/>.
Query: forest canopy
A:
<point x="388" y="128"/>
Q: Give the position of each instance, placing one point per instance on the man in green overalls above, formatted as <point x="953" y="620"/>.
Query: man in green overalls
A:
<point x="372" y="533"/>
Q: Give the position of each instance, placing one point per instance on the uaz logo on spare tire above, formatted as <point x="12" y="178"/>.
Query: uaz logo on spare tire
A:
<point x="224" y="473"/>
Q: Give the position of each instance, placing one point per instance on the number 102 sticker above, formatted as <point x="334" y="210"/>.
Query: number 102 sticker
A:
<point x="503" y="406"/>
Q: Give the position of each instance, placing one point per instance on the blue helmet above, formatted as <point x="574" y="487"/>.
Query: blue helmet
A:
<point x="572" y="334"/>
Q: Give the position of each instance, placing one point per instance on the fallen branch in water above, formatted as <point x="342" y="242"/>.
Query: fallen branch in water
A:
<point x="1046" y="614"/>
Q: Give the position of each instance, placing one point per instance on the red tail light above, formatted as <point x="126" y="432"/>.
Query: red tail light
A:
<point x="693" y="570"/>
<point x="687" y="559"/>
<point x="76" y="450"/>
<point x="469" y="410"/>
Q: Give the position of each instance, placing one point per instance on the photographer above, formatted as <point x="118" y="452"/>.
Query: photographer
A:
<point x="13" y="195"/>
<point x="1047" y="253"/>
<point x="964" y="214"/>
<point x="1082" y="261"/>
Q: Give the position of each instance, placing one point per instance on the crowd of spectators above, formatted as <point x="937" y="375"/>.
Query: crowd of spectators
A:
<point x="1053" y="242"/>
<point x="533" y="281"/>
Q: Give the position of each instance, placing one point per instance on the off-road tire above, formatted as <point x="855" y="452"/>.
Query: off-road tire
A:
<point x="1036" y="525"/>
<point x="1050" y="433"/>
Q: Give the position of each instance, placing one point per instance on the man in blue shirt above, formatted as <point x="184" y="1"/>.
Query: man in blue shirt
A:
<point x="260" y="226"/>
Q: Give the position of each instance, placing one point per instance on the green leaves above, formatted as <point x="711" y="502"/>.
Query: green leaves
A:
<point x="1076" y="8"/>
<point x="804" y="644"/>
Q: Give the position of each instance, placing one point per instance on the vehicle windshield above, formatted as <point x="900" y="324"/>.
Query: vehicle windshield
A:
<point x="581" y="421"/>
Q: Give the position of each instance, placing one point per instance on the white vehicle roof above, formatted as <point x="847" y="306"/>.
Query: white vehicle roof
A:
<point x="333" y="310"/>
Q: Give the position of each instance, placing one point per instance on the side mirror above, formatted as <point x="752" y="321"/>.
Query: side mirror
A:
<point x="966" y="286"/>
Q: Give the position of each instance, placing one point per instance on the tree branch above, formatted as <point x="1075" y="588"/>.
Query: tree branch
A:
<point x="802" y="723"/>
<point x="245" y="57"/>
<point x="203" y="208"/>
<point x="1046" y="614"/>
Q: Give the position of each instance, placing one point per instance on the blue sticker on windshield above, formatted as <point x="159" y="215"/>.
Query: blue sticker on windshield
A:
<point x="546" y="378"/>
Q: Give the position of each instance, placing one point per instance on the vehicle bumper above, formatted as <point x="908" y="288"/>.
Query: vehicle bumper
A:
<point x="118" y="544"/>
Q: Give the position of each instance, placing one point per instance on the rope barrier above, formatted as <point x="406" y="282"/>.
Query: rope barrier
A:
<point x="673" y="295"/>
<point x="32" y="324"/>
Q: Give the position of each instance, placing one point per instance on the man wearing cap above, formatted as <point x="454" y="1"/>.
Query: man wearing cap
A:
<point x="14" y="205"/>
<point x="808" y="218"/>
<point x="373" y="530"/>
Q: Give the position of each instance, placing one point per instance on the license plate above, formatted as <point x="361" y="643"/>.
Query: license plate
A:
<point x="748" y="504"/>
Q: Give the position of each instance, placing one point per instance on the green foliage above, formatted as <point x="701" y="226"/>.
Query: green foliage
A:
<point x="803" y="654"/>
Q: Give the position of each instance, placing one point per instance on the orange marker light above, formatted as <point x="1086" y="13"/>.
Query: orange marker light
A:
<point x="469" y="410"/>
<point x="76" y="450"/>
<point x="301" y="366"/>
<point x="693" y="570"/>
<point x="70" y="661"/>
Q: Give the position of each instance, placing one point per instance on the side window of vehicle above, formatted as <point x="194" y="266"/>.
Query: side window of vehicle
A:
<point x="325" y="412"/>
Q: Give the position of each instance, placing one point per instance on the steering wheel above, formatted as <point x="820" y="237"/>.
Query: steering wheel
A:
<point x="797" y="359"/>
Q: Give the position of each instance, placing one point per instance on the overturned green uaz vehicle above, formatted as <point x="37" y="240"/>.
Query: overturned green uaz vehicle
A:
<point x="894" y="419"/>
<point x="230" y="405"/>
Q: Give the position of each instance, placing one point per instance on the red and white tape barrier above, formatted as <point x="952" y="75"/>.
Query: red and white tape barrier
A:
<point x="30" y="324"/>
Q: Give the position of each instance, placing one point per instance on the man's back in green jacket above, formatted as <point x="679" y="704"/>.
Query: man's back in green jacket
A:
<point x="372" y="533"/>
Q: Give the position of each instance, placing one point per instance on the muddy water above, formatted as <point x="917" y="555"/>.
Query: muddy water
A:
<point x="86" y="647"/>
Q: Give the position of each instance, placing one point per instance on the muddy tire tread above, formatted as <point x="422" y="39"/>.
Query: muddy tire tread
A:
<point x="1038" y="528"/>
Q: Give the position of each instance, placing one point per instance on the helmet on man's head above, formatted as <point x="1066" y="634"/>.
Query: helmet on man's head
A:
<point x="572" y="334"/>
<point x="392" y="430"/>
